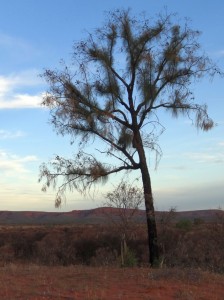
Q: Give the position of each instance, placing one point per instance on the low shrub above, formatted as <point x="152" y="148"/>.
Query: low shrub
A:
<point x="184" y="224"/>
<point x="182" y="245"/>
<point x="130" y="259"/>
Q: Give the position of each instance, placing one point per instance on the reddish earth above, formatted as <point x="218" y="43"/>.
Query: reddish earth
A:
<point x="32" y="282"/>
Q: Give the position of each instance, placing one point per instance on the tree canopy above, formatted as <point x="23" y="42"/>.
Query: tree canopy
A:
<point x="128" y="68"/>
<point x="122" y="75"/>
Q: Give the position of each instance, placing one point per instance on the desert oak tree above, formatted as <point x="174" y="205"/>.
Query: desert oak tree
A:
<point x="121" y="76"/>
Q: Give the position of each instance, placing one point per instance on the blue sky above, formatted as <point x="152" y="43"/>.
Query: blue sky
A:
<point x="37" y="34"/>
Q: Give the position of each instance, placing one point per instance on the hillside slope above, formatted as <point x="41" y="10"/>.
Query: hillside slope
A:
<point x="94" y="216"/>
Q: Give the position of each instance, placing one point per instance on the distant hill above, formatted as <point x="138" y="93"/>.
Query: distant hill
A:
<point x="94" y="216"/>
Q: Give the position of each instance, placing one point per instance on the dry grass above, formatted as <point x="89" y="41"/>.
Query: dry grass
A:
<point x="32" y="282"/>
<point x="82" y="262"/>
<point x="200" y="247"/>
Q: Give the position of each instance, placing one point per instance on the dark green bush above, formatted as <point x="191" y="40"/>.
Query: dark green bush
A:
<point x="184" y="224"/>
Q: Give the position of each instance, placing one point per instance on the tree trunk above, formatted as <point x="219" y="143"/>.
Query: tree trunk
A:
<point x="149" y="206"/>
<point x="150" y="217"/>
<point x="123" y="250"/>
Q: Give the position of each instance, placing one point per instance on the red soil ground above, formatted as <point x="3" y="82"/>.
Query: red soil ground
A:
<point x="32" y="282"/>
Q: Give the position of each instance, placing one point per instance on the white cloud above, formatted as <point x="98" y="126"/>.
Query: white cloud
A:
<point x="13" y="165"/>
<point x="14" y="90"/>
<point x="10" y="41"/>
<point x="16" y="48"/>
<point x="201" y="157"/>
<point x="212" y="154"/>
<point x="24" y="78"/>
<point x="22" y="101"/>
<point x="6" y="134"/>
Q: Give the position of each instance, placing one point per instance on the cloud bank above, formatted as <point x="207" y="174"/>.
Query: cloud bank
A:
<point x="19" y="90"/>
<point x="6" y="134"/>
<point x="13" y="165"/>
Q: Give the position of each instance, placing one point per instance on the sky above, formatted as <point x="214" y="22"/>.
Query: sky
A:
<point x="35" y="35"/>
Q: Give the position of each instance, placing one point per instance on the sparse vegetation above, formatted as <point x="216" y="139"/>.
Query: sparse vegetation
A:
<point x="83" y="262"/>
<point x="127" y="199"/>
<point x="184" y="224"/>
<point x="195" y="246"/>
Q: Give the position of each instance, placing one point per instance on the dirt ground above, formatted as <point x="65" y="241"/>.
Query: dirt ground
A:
<point x="32" y="282"/>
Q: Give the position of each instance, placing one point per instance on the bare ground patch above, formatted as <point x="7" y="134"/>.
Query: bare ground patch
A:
<point x="81" y="282"/>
